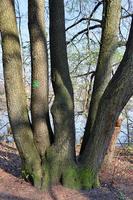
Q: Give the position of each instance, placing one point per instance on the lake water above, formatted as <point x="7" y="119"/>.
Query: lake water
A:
<point x="79" y="121"/>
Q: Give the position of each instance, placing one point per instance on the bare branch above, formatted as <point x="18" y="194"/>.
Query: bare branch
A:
<point x="88" y="18"/>
<point x="83" y="32"/>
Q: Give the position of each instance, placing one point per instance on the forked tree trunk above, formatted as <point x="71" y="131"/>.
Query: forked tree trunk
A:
<point x="15" y="93"/>
<point x="39" y="63"/>
<point x="117" y="94"/>
<point x="109" y="41"/>
<point x="62" y="153"/>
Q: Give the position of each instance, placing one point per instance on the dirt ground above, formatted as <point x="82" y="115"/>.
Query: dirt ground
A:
<point x="116" y="182"/>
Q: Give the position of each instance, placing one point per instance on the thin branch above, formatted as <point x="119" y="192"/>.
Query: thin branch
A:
<point x="4" y="125"/>
<point x="83" y="31"/>
<point x="85" y="74"/>
<point x="121" y="43"/>
<point x="88" y="18"/>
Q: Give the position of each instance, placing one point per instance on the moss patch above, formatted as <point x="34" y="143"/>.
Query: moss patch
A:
<point x="51" y="169"/>
<point x="31" y="175"/>
<point x="88" y="178"/>
<point x="80" y="178"/>
<point x="70" y="178"/>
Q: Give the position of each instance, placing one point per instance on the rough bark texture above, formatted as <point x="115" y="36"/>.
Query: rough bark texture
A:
<point x="62" y="153"/>
<point x="109" y="40"/>
<point x="115" y="97"/>
<point x="112" y="144"/>
<point x="15" y="93"/>
<point x="39" y="63"/>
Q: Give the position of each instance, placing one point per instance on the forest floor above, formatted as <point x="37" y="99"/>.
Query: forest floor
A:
<point x="116" y="182"/>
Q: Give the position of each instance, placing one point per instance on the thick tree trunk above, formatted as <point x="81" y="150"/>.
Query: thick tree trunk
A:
<point x="115" y="97"/>
<point x="62" y="153"/>
<point x="15" y="93"/>
<point x="39" y="63"/>
<point x="109" y="40"/>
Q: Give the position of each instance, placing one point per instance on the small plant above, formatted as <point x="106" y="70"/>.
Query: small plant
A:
<point x="121" y="195"/>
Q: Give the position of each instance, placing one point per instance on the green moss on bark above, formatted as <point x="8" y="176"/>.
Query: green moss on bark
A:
<point x="80" y="178"/>
<point x="88" y="178"/>
<point x="32" y="173"/>
<point x="70" y="178"/>
<point x="51" y="169"/>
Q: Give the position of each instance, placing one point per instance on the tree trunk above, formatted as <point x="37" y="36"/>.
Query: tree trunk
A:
<point x="112" y="144"/>
<point x="39" y="63"/>
<point x="15" y="93"/>
<point x="62" y="153"/>
<point x="109" y="40"/>
<point x="115" y="97"/>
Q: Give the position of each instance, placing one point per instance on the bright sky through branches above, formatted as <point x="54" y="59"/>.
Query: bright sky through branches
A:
<point x="131" y="6"/>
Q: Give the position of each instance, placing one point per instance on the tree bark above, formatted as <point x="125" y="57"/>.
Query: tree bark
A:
<point x="15" y="93"/>
<point x="112" y="145"/>
<point x="39" y="63"/>
<point x="62" y="153"/>
<point x="109" y="40"/>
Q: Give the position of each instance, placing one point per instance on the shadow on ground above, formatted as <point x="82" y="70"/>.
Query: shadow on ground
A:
<point x="9" y="160"/>
<point x="5" y="196"/>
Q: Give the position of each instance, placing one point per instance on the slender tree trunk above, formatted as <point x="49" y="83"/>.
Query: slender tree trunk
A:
<point x="39" y="63"/>
<point x="62" y="153"/>
<point x="15" y="93"/>
<point x="109" y="40"/>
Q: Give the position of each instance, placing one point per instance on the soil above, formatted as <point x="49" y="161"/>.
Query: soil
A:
<point x="116" y="181"/>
